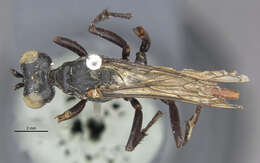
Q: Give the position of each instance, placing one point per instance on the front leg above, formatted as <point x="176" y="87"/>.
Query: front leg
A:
<point x="72" y="112"/>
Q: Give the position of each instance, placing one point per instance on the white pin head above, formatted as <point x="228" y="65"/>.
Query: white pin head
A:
<point x="94" y="62"/>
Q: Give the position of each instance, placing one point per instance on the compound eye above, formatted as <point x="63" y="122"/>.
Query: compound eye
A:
<point x="94" y="62"/>
<point x="34" y="100"/>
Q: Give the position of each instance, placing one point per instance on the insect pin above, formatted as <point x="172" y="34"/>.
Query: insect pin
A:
<point x="100" y="79"/>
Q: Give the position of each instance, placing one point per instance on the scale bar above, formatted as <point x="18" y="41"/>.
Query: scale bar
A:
<point x="30" y="130"/>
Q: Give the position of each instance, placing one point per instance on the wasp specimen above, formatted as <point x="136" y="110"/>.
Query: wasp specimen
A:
<point x="121" y="78"/>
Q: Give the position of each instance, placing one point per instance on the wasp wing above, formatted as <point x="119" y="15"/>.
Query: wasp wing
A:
<point x="196" y="87"/>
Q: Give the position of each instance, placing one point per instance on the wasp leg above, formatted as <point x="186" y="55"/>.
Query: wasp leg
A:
<point x="16" y="73"/>
<point x="19" y="85"/>
<point x="108" y="35"/>
<point x="136" y="127"/>
<point x="72" y="112"/>
<point x="71" y="45"/>
<point x="190" y="124"/>
<point x="137" y="134"/>
<point x="175" y="124"/>
<point x="145" y="45"/>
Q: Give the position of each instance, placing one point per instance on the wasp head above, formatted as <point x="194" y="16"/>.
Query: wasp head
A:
<point x="35" y="69"/>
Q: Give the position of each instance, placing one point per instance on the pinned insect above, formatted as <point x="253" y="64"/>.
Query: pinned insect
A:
<point x="100" y="79"/>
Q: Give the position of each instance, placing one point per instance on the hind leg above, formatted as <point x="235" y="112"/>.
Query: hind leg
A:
<point x="108" y="35"/>
<point x="137" y="133"/>
<point x="175" y="124"/>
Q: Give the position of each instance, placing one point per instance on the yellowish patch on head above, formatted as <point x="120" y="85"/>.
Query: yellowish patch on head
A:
<point x="34" y="100"/>
<point x="29" y="57"/>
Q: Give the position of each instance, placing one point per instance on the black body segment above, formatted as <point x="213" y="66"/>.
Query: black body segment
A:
<point x="74" y="78"/>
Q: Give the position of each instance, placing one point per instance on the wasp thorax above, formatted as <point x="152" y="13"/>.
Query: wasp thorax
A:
<point x="94" y="61"/>
<point x="38" y="89"/>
